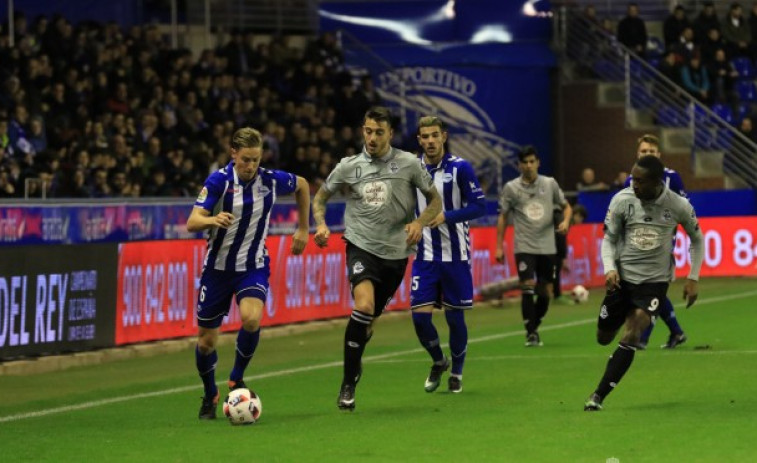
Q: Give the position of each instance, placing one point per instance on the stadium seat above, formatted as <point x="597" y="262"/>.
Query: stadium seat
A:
<point x="745" y="67"/>
<point x="746" y="90"/>
<point x="671" y="117"/>
<point x="742" y="111"/>
<point x="608" y="70"/>
<point x="641" y="97"/>
<point x="724" y="112"/>
<point x="655" y="47"/>
<point x="724" y="139"/>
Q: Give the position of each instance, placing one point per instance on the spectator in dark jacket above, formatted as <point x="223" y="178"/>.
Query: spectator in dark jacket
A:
<point x="632" y="32"/>
<point x="707" y="19"/>
<point x="674" y="26"/>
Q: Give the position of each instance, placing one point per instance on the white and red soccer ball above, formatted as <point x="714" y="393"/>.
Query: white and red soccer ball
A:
<point x="242" y="406"/>
<point x="579" y="294"/>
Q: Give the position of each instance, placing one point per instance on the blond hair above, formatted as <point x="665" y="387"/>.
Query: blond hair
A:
<point x="246" y="137"/>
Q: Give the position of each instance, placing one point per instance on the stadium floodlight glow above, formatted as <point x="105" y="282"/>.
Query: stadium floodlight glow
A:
<point x="492" y="34"/>
<point x="409" y="31"/>
<point x="530" y="10"/>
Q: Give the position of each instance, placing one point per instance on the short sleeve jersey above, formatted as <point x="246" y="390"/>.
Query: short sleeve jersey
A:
<point x="380" y="199"/>
<point x="532" y="206"/>
<point x="642" y="232"/>
<point x="241" y="247"/>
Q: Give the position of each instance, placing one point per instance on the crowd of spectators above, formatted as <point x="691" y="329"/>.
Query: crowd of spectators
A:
<point x="696" y="54"/>
<point x="92" y="110"/>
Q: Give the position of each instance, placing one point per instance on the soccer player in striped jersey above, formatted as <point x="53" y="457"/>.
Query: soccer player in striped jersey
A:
<point x="649" y="145"/>
<point x="235" y="206"/>
<point x="442" y="269"/>
<point x="532" y="198"/>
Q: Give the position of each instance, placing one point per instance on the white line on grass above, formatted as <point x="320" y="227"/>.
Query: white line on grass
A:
<point x="291" y="371"/>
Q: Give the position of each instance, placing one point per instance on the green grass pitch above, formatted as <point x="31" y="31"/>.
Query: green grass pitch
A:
<point x="693" y="404"/>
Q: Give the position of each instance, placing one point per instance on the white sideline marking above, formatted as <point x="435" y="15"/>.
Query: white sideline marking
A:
<point x="291" y="371"/>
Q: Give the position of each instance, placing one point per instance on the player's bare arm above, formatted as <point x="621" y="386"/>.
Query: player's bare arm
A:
<point x="414" y="229"/>
<point x="322" y="231"/>
<point x="499" y="254"/>
<point x="302" y="196"/>
<point x="567" y="213"/>
<point x="200" y="219"/>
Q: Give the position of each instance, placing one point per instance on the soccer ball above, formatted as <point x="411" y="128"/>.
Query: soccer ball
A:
<point x="242" y="406"/>
<point x="579" y="294"/>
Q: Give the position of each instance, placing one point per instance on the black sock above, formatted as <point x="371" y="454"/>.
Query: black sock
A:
<point x="542" y="305"/>
<point x="527" y="310"/>
<point x="619" y="362"/>
<point x="355" y="339"/>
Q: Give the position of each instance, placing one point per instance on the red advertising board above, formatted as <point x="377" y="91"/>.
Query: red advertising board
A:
<point x="158" y="281"/>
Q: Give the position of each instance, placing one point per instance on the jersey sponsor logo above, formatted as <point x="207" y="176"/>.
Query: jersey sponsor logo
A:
<point x="375" y="193"/>
<point x="534" y="211"/>
<point x="603" y="312"/>
<point x="203" y="195"/>
<point x="264" y="190"/>
<point x="357" y="268"/>
<point x="393" y="167"/>
<point x="645" y="239"/>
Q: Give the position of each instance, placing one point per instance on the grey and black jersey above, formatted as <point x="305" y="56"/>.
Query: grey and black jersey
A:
<point x="531" y="206"/>
<point x="381" y="199"/>
<point x="638" y="240"/>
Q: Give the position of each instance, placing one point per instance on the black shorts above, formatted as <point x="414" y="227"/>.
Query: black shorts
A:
<point x="618" y="303"/>
<point x="386" y="274"/>
<point x="540" y="265"/>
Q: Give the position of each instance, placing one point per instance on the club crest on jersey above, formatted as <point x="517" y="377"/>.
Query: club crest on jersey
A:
<point x="358" y="268"/>
<point x="394" y="167"/>
<point x="203" y="195"/>
<point x="666" y="215"/>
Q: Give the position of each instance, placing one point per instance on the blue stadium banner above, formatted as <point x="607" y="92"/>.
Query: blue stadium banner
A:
<point x="81" y="223"/>
<point x="56" y="299"/>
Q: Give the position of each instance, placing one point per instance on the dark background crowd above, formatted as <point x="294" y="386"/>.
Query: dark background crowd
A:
<point x="91" y="110"/>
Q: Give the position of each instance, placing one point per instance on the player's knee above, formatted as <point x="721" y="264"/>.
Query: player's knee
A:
<point x="544" y="290"/>
<point x="455" y="319"/>
<point x="604" y="338"/>
<point x="528" y="286"/>
<point x="206" y="345"/>
<point x="251" y="325"/>
<point x="365" y="306"/>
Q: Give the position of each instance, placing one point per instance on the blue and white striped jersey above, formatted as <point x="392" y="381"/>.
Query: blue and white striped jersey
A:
<point x="241" y="247"/>
<point x="462" y="200"/>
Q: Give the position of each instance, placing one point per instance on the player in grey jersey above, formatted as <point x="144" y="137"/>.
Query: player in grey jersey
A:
<point x="381" y="231"/>
<point x="532" y="198"/>
<point x="639" y="225"/>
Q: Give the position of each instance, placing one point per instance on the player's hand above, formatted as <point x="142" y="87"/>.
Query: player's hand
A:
<point x="414" y="232"/>
<point x="299" y="241"/>
<point x="562" y="227"/>
<point x="321" y="237"/>
<point x="223" y="219"/>
<point x="499" y="255"/>
<point x="438" y="220"/>
<point x="690" y="292"/>
<point x="612" y="280"/>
